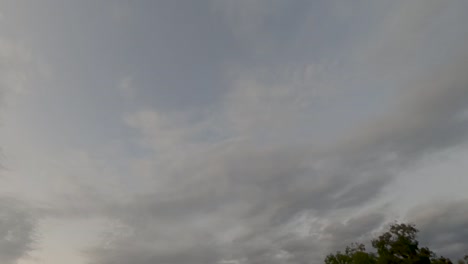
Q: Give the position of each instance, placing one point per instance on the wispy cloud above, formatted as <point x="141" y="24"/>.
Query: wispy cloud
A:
<point x="17" y="229"/>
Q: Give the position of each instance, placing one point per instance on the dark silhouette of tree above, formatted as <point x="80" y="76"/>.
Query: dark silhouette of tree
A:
<point x="396" y="246"/>
<point x="356" y="253"/>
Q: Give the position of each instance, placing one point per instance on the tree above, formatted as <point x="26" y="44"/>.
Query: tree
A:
<point x="396" y="246"/>
<point x="399" y="245"/>
<point x="356" y="253"/>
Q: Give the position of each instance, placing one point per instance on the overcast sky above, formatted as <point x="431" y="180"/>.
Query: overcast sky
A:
<point x="229" y="131"/>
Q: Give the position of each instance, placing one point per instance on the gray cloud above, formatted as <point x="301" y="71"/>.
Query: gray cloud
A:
<point x="15" y="64"/>
<point x="443" y="227"/>
<point x="17" y="230"/>
<point x="430" y="114"/>
<point x="240" y="210"/>
<point x="265" y="190"/>
<point x="245" y="180"/>
<point x="239" y="201"/>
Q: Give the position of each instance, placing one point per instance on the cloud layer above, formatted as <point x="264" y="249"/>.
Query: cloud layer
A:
<point x="229" y="133"/>
<point x="17" y="231"/>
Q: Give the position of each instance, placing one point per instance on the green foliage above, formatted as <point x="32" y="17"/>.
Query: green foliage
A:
<point x="354" y="254"/>
<point x="396" y="246"/>
<point x="399" y="245"/>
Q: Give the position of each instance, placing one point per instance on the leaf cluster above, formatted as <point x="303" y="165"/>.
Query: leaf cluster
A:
<point x="396" y="246"/>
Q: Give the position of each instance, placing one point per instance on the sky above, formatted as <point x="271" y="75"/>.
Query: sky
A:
<point x="229" y="131"/>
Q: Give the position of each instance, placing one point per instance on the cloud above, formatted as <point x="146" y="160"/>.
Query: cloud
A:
<point x="248" y="20"/>
<point x="239" y="200"/>
<point x="17" y="231"/>
<point x="429" y="115"/>
<point x="236" y="201"/>
<point x="13" y="67"/>
<point x="157" y="128"/>
<point x="287" y="94"/>
<point x="231" y="200"/>
<point x="443" y="227"/>
<point x="19" y="67"/>
<point x="248" y="178"/>
<point x="126" y="88"/>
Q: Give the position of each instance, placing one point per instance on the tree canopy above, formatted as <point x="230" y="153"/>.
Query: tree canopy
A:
<point x="398" y="245"/>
